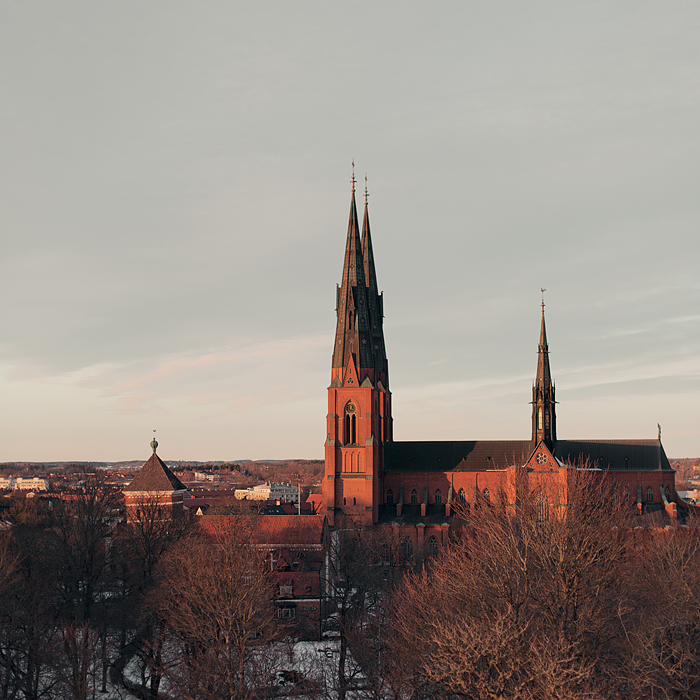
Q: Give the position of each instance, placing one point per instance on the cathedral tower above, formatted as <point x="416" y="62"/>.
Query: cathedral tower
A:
<point x="544" y="417"/>
<point x="359" y="402"/>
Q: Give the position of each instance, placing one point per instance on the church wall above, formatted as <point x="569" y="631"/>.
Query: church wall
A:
<point x="468" y="481"/>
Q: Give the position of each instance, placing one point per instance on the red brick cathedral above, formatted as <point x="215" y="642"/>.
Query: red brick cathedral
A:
<point x="414" y="485"/>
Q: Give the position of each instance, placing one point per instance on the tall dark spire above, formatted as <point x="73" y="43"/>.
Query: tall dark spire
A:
<point x="375" y="300"/>
<point x="352" y="336"/>
<point x="544" y="418"/>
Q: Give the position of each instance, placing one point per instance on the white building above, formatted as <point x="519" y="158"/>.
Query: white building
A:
<point x="206" y="476"/>
<point x="22" y="484"/>
<point x="34" y="484"/>
<point x="269" y="492"/>
<point x="7" y="482"/>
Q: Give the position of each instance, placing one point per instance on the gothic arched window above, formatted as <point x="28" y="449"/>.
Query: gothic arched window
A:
<point x="414" y="497"/>
<point x="487" y="495"/>
<point x="407" y="550"/>
<point x="541" y="508"/>
<point x="650" y="495"/>
<point x="350" y="424"/>
<point x="389" y="496"/>
<point x="438" y="496"/>
<point x="433" y="546"/>
<point x="462" y="497"/>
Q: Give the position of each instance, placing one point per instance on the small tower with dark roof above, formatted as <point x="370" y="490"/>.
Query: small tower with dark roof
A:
<point x="359" y="403"/>
<point x="154" y="486"/>
<point x="544" y="417"/>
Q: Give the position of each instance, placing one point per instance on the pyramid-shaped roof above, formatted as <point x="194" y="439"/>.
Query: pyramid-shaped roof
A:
<point x="155" y="476"/>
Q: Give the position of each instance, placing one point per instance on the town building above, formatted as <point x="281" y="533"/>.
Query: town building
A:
<point x="153" y="486"/>
<point x="295" y="549"/>
<point x="269" y="492"/>
<point x="23" y="484"/>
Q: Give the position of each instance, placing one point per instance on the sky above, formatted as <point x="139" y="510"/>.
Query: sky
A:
<point x="174" y="193"/>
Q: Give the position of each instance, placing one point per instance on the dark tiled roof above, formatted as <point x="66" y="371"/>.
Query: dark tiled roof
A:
<point x="616" y="455"/>
<point x="489" y="455"/>
<point x="455" y="456"/>
<point x="155" y="476"/>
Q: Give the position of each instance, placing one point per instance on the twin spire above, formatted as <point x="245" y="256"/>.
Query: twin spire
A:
<point x="360" y="319"/>
<point x="359" y="305"/>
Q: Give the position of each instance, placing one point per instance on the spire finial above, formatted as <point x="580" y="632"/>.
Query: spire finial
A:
<point x="154" y="442"/>
<point x="353" y="181"/>
<point x="658" y="425"/>
<point x="542" y="290"/>
<point x="366" y="193"/>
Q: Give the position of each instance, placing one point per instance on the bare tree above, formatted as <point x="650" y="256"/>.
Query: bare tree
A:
<point x="154" y="530"/>
<point x="664" y="650"/>
<point x="215" y="601"/>
<point x="28" y="614"/>
<point x="83" y="528"/>
<point x="525" y="604"/>
<point x="364" y="564"/>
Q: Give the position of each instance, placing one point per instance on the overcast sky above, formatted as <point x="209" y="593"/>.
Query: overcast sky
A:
<point x="174" y="192"/>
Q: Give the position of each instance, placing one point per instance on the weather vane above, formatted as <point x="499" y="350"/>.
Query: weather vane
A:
<point x="543" y="290"/>
<point x="353" y="175"/>
<point x="366" y="193"/>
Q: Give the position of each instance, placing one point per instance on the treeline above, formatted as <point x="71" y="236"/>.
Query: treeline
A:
<point x="528" y="601"/>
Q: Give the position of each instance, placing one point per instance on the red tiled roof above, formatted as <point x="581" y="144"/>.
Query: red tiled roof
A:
<point x="316" y="501"/>
<point x="269" y="529"/>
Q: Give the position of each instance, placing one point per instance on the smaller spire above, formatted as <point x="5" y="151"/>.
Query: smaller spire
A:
<point x="544" y="419"/>
<point x="154" y="442"/>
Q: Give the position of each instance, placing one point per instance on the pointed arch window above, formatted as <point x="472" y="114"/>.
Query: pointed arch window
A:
<point x="540" y="417"/>
<point x="541" y="508"/>
<point x="650" y="495"/>
<point x="462" y="497"/>
<point x="438" y="496"/>
<point x="487" y="496"/>
<point x="390" y="497"/>
<point x="407" y="550"/>
<point x="414" y="497"/>
<point x="433" y="546"/>
<point x="350" y="424"/>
